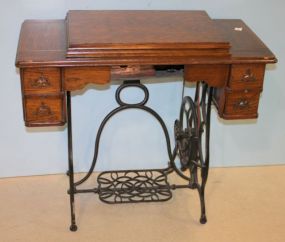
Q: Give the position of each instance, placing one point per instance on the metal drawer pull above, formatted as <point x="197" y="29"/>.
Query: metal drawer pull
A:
<point x="241" y="104"/>
<point x="41" y="82"/>
<point x="248" y="76"/>
<point x="43" y="110"/>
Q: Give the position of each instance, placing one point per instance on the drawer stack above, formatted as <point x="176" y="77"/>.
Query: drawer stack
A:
<point x="43" y="97"/>
<point x="240" y="97"/>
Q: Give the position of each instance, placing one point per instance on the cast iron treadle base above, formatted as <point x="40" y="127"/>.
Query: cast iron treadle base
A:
<point x="133" y="186"/>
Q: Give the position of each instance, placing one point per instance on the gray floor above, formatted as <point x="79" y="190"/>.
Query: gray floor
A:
<point x="243" y="204"/>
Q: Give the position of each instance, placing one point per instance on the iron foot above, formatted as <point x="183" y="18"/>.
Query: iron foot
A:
<point x="203" y="219"/>
<point x="73" y="227"/>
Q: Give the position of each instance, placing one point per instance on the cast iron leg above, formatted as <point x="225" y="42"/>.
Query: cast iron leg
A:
<point x="73" y="226"/>
<point x="190" y="130"/>
<point x="203" y="218"/>
<point x="205" y="167"/>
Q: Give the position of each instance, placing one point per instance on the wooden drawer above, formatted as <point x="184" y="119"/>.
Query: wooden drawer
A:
<point x="41" y="80"/>
<point x="246" y="76"/>
<point x="76" y="78"/>
<point x="44" y="110"/>
<point x="241" y="104"/>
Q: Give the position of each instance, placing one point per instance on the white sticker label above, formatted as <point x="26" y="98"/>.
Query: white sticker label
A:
<point x="238" y="28"/>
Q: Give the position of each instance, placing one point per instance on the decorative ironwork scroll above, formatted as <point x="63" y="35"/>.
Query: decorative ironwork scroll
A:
<point x="192" y="133"/>
<point x="133" y="186"/>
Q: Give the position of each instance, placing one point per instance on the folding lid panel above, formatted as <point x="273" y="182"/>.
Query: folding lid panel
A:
<point x="142" y="33"/>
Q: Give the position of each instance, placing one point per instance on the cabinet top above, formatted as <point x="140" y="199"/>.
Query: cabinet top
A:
<point x="91" y="38"/>
<point x="92" y="33"/>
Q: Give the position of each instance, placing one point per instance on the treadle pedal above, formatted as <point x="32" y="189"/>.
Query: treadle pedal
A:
<point x="133" y="186"/>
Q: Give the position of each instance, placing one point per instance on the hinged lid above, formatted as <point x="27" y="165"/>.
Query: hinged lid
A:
<point x="126" y="34"/>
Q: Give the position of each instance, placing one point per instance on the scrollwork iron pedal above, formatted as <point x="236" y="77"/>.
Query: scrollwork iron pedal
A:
<point x="151" y="185"/>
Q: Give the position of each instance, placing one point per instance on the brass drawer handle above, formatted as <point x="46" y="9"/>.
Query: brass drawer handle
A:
<point x="248" y="76"/>
<point x="43" y="110"/>
<point x="41" y="82"/>
<point x="241" y="104"/>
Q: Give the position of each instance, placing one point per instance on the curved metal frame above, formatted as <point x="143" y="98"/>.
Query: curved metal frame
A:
<point x="188" y="147"/>
<point x="125" y="106"/>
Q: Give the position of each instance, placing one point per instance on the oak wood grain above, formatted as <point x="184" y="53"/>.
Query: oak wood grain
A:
<point x="59" y="55"/>
<point x="131" y="33"/>
<point x="245" y="48"/>
<point x="246" y="76"/>
<point x="41" y="41"/>
<point x="245" y="44"/>
<point x="240" y="104"/>
<point x="214" y="75"/>
<point x="76" y="78"/>
<point x="44" y="110"/>
<point x="41" y="80"/>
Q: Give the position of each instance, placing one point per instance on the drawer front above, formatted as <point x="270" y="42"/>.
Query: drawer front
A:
<point x="41" y="80"/>
<point x="246" y="76"/>
<point x="76" y="78"/>
<point x="44" y="110"/>
<point x="241" y="104"/>
<point x="214" y="75"/>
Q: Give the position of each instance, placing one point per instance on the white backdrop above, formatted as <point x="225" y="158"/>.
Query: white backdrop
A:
<point x="125" y="143"/>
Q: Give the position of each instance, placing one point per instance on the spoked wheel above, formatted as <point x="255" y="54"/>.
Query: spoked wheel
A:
<point x="192" y="134"/>
<point x="186" y="137"/>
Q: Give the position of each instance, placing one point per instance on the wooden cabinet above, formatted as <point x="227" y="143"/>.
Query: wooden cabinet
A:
<point x="43" y="97"/>
<point x="225" y="54"/>
<point x="43" y="91"/>
<point x="239" y="98"/>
